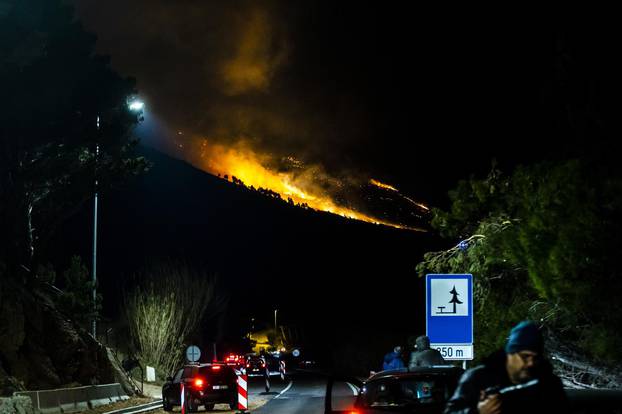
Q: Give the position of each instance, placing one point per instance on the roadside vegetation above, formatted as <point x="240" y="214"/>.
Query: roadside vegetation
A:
<point x="165" y="306"/>
<point x="542" y="243"/>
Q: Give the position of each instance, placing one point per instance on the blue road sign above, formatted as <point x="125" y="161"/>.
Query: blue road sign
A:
<point x="449" y="308"/>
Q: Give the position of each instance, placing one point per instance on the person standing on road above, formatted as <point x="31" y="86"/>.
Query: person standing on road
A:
<point x="521" y="362"/>
<point x="393" y="360"/>
<point x="424" y="355"/>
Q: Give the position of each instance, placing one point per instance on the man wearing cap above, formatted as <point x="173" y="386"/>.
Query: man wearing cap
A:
<point x="519" y="363"/>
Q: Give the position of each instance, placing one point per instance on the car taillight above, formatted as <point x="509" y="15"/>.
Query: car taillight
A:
<point x="198" y="383"/>
<point x="263" y="364"/>
<point x="248" y="365"/>
<point x="216" y="367"/>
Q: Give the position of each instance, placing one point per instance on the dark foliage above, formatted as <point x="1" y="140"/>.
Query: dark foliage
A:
<point x="54" y="88"/>
<point x="542" y="244"/>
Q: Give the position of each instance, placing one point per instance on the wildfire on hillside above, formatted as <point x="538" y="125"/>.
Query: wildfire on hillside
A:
<point x="299" y="184"/>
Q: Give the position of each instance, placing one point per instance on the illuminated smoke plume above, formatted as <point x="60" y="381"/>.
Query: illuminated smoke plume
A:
<point x="254" y="60"/>
<point x="238" y="73"/>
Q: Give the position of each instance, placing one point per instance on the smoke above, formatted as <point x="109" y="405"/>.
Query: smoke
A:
<point x="248" y="90"/>
<point x="257" y="55"/>
<point x="232" y="70"/>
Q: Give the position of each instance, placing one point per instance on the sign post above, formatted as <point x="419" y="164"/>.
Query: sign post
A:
<point x="449" y="315"/>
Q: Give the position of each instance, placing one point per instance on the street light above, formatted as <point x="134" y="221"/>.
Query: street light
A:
<point x="134" y="105"/>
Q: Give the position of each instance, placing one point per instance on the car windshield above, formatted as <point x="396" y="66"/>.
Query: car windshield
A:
<point x="398" y="392"/>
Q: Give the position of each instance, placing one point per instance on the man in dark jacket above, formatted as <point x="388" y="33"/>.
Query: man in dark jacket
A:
<point x="521" y="362"/>
<point x="424" y="355"/>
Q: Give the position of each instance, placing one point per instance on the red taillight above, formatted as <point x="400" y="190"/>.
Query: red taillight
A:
<point x="198" y="382"/>
<point x="248" y="365"/>
<point x="216" y="367"/>
<point x="263" y="364"/>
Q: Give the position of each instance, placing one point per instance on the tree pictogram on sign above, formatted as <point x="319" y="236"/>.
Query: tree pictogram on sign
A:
<point x="454" y="300"/>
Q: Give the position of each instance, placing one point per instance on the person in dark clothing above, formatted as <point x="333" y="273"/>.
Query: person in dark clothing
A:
<point x="424" y="355"/>
<point x="521" y="362"/>
<point x="393" y="360"/>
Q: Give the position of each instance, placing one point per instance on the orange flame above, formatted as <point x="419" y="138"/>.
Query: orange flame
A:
<point x="391" y="188"/>
<point x="243" y="163"/>
<point x="382" y="185"/>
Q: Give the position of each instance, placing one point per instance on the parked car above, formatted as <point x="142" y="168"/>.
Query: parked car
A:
<point x="204" y="384"/>
<point x="421" y="390"/>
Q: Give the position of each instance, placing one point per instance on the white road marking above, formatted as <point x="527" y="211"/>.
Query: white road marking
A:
<point x="353" y="388"/>
<point x="285" y="390"/>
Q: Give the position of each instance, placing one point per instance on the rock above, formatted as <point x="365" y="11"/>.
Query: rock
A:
<point x="16" y="405"/>
<point x="119" y="375"/>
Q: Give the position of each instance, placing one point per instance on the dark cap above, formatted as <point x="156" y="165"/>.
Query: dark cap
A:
<point x="525" y="336"/>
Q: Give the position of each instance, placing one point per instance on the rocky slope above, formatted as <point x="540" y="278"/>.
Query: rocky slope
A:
<point x="42" y="349"/>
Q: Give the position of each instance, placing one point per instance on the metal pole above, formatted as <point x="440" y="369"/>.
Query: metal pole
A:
<point x="95" y="238"/>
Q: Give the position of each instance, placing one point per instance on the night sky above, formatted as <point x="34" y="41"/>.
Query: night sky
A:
<point x="416" y="96"/>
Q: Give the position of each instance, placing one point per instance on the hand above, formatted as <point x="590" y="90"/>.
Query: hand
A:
<point x="490" y="405"/>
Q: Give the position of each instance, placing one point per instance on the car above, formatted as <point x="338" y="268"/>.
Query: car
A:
<point x="257" y="365"/>
<point x="234" y="360"/>
<point x="426" y="390"/>
<point x="421" y="390"/>
<point x="204" y="384"/>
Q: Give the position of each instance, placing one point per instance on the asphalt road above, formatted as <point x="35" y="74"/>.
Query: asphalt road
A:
<point x="301" y="395"/>
<point x="305" y="395"/>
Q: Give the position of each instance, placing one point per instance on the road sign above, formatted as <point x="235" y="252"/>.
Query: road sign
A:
<point x="449" y="314"/>
<point x="296" y="353"/>
<point x="193" y="353"/>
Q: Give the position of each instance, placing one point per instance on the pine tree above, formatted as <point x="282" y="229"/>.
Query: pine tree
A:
<point x="454" y="298"/>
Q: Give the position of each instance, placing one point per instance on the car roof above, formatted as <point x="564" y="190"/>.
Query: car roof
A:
<point x="205" y="364"/>
<point x="417" y="371"/>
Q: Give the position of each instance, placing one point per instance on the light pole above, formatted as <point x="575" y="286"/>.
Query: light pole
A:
<point x="134" y="105"/>
<point x="94" y="324"/>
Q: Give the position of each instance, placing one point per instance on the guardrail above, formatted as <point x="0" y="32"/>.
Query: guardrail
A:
<point x="70" y="400"/>
<point x="137" y="409"/>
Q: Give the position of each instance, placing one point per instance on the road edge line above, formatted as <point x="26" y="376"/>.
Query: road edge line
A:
<point x="286" y="389"/>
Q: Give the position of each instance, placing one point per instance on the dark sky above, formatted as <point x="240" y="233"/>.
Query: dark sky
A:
<point x="415" y="96"/>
